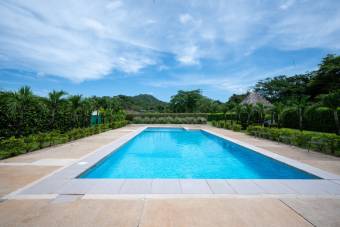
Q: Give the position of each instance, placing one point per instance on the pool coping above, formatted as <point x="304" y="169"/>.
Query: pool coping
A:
<point x="64" y="181"/>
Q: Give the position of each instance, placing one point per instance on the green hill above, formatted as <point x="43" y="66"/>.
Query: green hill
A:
<point x="141" y="103"/>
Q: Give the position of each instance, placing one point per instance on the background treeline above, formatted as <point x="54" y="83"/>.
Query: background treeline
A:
<point x="23" y="113"/>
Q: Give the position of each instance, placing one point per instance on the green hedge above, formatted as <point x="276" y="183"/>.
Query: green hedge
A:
<point x="227" y="125"/>
<point x="130" y="117"/>
<point x="207" y="116"/>
<point x="314" y="119"/>
<point x="14" y="146"/>
<point x="169" y="120"/>
<point x="323" y="142"/>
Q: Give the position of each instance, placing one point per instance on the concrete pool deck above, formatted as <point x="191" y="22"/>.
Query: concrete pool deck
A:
<point x="229" y="202"/>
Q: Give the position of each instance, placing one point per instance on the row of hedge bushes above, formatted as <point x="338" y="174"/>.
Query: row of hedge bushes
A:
<point x="14" y="146"/>
<point x="169" y="120"/>
<point x="319" y="119"/>
<point x="207" y="116"/>
<point x="227" y="125"/>
<point x="323" y="142"/>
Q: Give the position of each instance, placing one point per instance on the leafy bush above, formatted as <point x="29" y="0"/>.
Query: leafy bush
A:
<point x="215" y="117"/>
<point x="319" y="119"/>
<point x="324" y="142"/>
<point x="131" y="117"/>
<point x="12" y="146"/>
<point x="227" y="125"/>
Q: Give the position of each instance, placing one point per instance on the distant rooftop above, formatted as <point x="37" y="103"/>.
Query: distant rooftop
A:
<point x="253" y="98"/>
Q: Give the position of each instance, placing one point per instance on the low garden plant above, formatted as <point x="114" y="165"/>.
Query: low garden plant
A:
<point x="227" y="125"/>
<point x="168" y="120"/>
<point x="323" y="142"/>
<point x="13" y="146"/>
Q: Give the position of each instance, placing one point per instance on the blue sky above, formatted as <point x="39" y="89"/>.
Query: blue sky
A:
<point x="107" y="47"/>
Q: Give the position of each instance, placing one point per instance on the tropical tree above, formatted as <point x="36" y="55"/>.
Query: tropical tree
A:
<point x="261" y="111"/>
<point x="76" y="104"/>
<point x="21" y="110"/>
<point x="332" y="101"/>
<point x="327" y="78"/>
<point x="54" y="101"/>
<point x="185" y="101"/>
<point x="300" y="104"/>
<point x="277" y="110"/>
<point x="238" y="110"/>
<point x="248" y="109"/>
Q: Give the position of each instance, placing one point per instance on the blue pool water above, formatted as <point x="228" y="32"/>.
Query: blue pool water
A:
<point x="180" y="153"/>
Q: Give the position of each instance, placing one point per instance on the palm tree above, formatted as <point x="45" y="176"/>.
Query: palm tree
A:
<point x="300" y="104"/>
<point x="332" y="101"/>
<point x="18" y="104"/>
<point x="248" y="108"/>
<point x="96" y="106"/>
<point x="238" y="109"/>
<point x="261" y="110"/>
<point x="75" y="101"/>
<point x="278" y="109"/>
<point x="54" y="100"/>
<point x="85" y="110"/>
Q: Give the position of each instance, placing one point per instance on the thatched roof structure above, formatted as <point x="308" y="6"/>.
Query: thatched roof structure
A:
<point x="253" y="98"/>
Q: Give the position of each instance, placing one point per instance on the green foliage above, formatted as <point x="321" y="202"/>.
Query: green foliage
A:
<point x="140" y="103"/>
<point x="169" y="120"/>
<point x="227" y="125"/>
<point x="11" y="147"/>
<point x="326" y="78"/>
<point x="193" y="102"/>
<point x="316" y="118"/>
<point x="14" y="146"/>
<point x="323" y="142"/>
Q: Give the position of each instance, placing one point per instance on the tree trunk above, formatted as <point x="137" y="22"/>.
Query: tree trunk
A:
<point x="300" y="119"/>
<point x="225" y="119"/>
<point x="336" y="119"/>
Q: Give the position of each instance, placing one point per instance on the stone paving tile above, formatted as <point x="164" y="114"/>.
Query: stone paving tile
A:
<point x="48" y="186"/>
<point x="336" y="181"/>
<point x="65" y="198"/>
<point x="84" y="213"/>
<point x="309" y="187"/>
<point x="77" y="187"/>
<point x="111" y="186"/>
<point x="273" y="187"/>
<point x="220" y="187"/>
<point x="219" y="213"/>
<point x="166" y="186"/>
<point x="320" y="212"/>
<point x="195" y="187"/>
<point x="139" y="186"/>
<point x="245" y="187"/>
<point x="14" y="177"/>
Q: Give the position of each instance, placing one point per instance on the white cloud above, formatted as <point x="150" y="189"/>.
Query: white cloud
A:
<point x="185" y="18"/>
<point x="188" y="56"/>
<point x="287" y="4"/>
<point x="82" y="40"/>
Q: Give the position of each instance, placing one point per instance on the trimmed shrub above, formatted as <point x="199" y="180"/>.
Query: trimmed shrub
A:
<point x="323" y="142"/>
<point x="227" y="125"/>
<point x="14" y="146"/>
<point x="169" y="120"/>
<point x="11" y="147"/>
<point x="319" y="119"/>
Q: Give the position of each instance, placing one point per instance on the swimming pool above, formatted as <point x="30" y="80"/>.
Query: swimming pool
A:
<point x="189" y="154"/>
